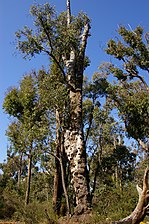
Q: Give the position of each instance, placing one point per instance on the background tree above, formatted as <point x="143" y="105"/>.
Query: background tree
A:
<point x="130" y="96"/>
<point x="31" y="127"/>
<point x="132" y="51"/>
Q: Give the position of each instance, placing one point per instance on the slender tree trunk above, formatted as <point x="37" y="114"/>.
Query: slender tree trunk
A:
<point x="75" y="150"/>
<point x="28" y="179"/>
<point x="64" y="186"/>
<point x="94" y="182"/>
<point x="57" y="188"/>
<point x="19" y="179"/>
<point x="98" y="167"/>
<point x="19" y="172"/>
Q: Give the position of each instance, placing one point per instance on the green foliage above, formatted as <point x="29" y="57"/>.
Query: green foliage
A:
<point x="51" y="34"/>
<point x="129" y="96"/>
<point x="52" y="89"/>
<point x="132" y="50"/>
<point x="113" y="204"/>
<point x="13" y="99"/>
<point x="25" y="105"/>
<point x="133" y="104"/>
<point x="35" y="213"/>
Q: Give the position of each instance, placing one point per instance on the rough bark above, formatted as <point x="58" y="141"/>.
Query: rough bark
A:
<point x="142" y="207"/>
<point x="73" y="137"/>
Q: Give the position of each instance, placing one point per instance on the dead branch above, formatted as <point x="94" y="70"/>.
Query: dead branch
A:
<point x="142" y="207"/>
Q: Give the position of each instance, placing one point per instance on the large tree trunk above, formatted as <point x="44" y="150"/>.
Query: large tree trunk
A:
<point x="73" y="137"/>
<point x="75" y="150"/>
<point x="142" y="207"/>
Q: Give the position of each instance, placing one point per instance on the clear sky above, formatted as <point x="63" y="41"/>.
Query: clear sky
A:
<point x="106" y="15"/>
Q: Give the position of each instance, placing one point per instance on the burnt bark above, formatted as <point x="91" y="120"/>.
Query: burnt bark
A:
<point x="73" y="137"/>
<point x="142" y="207"/>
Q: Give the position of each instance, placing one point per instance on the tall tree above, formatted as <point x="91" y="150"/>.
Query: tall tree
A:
<point x="30" y="129"/>
<point x="64" y="38"/>
<point x="130" y="97"/>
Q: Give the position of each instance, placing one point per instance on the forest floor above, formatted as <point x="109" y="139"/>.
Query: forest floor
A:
<point x="82" y="219"/>
<point x="87" y="219"/>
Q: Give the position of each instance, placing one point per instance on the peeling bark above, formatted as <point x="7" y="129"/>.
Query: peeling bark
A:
<point x="142" y="207"/>
<point x="76" y="156"/>
<point x="73" y="136"/>
<point x="74" y="141"/>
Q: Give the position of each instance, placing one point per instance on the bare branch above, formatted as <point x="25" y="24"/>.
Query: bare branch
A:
<point x="139" y="189"/>
<point x="144" y="146"/>
<point x="68" y="13"/>
<point x="84" y="39"/>
<point x="145" y="179"/>
<point x="51" y="53"/>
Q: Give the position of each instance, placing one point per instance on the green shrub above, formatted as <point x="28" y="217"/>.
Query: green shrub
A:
<point x="35" y="213"/>
<point x="114" y="203"/>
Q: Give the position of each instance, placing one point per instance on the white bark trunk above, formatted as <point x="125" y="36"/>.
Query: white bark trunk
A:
<point x="76" y="155"/>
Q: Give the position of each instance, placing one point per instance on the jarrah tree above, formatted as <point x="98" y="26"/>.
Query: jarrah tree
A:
<point x="64" y="38"/>
<point x="74" y="141"/>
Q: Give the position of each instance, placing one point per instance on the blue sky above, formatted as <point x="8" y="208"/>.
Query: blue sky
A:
<point x="106" y="15"/>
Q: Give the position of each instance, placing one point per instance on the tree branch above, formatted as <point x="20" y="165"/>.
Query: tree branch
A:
<point x="84" y="39"/>
<point x="144" y="146"/>
<point x="68" y="13"/>
<point x="51" y="53"/>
